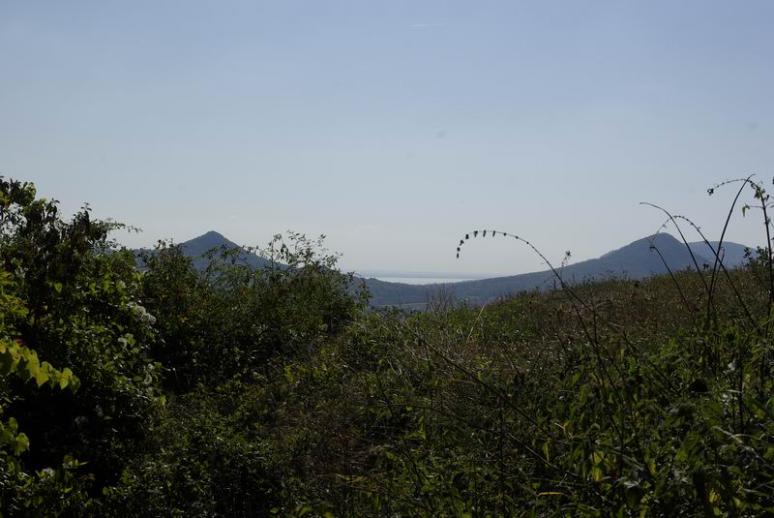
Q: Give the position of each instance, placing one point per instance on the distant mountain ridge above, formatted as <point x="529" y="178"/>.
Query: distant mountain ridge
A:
<point x="732" y="254"/>
<point x="198" y="248"/>
<point x="637" y="260"/>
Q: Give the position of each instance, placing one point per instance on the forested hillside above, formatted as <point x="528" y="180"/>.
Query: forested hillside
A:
<point x="182" y="389"/>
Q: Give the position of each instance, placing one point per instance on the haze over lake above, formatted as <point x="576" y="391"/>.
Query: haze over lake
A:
<point x="418" y="278"/>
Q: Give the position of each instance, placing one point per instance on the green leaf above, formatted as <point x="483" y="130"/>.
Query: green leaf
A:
<point x="597" y="457"/>
<point x="22" y="444"/>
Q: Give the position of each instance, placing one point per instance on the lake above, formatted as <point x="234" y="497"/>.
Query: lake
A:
<point x="423" y="280"/>
<point x="418" y="277"/>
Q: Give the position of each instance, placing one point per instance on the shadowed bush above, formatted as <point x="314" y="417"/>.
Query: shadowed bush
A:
<point x="234" y="392"/>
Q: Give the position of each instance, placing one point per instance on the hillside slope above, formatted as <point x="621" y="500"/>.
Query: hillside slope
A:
<point x="199" y="247"/>
<point x="636" y="260"/>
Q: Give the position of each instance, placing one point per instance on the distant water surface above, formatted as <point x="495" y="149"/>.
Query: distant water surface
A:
<point x="423" y="280"/>
<point x="419" y="277"/>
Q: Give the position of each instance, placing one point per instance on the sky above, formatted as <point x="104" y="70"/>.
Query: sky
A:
<point x="392" y="127"/>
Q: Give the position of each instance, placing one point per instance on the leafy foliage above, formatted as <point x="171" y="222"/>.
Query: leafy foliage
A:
<point x="19" y="362"/>
<point x="234" y="392"/>
<point x="231" y="321"/>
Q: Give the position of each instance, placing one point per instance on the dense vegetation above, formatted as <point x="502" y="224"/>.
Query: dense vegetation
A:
<point x="174" y="391"/>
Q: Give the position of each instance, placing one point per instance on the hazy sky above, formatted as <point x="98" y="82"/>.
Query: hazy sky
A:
<point x="391" y="126"/>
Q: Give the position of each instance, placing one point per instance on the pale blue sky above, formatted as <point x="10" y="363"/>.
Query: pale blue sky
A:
<point x="391" y="126"/>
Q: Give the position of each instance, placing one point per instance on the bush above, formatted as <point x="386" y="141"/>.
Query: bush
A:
<point x="232" y="321"/>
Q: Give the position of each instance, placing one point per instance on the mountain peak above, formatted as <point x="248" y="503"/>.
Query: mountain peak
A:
<point x="212" y="236"/>
<point x="198" y="247"/>
<point x="209" y="240"/>
<point x="661" y="240"/>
